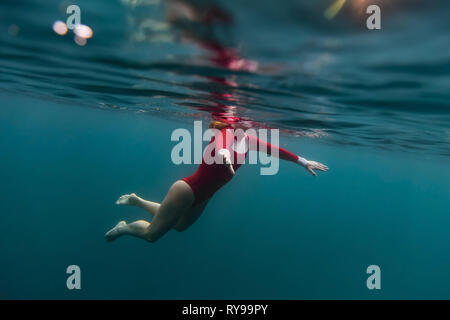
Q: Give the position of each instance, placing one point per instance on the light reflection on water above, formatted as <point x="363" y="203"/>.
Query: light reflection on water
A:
<point x="283" y="66"/>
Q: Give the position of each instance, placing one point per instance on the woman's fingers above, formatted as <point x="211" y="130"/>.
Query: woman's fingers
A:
<point x="313" y="165"/>
<point x="319" y="166"/>
<point x="227" y="162"/>
<point x="230" y="167"/>
<point x="311" y="171"/>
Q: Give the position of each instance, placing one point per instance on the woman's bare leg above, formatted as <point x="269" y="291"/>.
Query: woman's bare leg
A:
<point x="188" y="218"/>
<point x="185" y="221"/>
<point x="179" y="199"/>
<point x="134" y="200"/>
<point x="137" y="229"/>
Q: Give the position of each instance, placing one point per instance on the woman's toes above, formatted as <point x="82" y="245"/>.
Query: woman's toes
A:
<point x="123" y="200"/>
<point x="115" y="232"/>
<point x="128" y="199"/>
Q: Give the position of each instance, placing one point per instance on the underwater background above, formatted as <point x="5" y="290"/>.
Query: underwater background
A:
<point x="83" y="123"/>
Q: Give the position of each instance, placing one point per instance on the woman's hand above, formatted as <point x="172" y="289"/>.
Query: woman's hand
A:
<point x="226" y="160"/>
<point x="313" y="165"/>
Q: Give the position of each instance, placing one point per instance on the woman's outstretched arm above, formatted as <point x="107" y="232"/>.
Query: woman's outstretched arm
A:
<point x="257" y="144"/>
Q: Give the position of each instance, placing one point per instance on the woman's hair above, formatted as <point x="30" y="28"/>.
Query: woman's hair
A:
<point x="231" y="124"/>
<point x="214" y="124"/>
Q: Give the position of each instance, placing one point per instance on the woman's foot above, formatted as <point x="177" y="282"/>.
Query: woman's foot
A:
<point x="128" y="199"/>
<point x="115" y="232"/>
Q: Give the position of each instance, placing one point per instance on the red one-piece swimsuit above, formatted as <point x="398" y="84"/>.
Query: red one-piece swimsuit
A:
<point x="211" y="177"/>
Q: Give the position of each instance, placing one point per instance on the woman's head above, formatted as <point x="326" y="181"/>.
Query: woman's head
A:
<point x="235" y="123"/>
<point x="219" y="125"/>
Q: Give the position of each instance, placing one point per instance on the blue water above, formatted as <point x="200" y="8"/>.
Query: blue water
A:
<point x="81" y="125"/>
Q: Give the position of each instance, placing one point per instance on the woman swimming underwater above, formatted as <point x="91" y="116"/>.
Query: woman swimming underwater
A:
<point x="187" y="198"/>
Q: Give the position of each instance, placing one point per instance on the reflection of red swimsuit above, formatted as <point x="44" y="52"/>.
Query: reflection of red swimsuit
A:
<point x="211" y="177"/>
